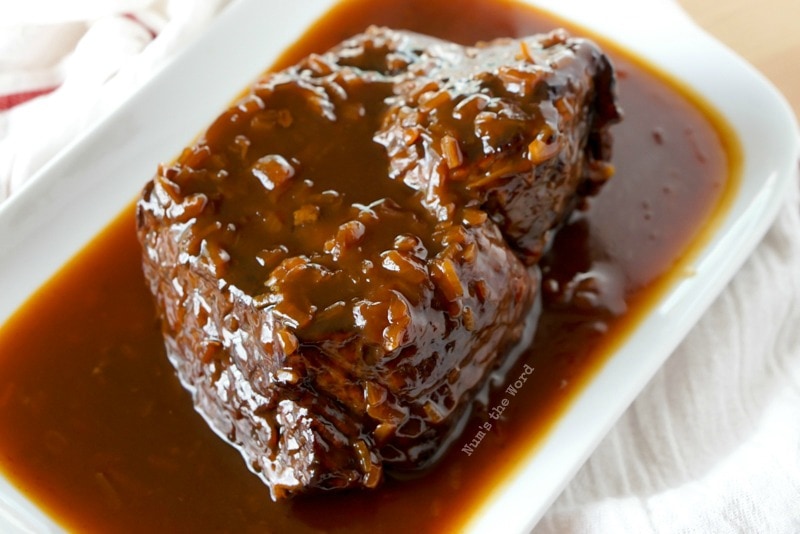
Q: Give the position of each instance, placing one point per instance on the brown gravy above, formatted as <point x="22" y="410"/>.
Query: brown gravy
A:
<point x="98" y="432"/>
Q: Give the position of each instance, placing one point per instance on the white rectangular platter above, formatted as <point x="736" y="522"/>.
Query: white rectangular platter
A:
<point x="73" y="198"/>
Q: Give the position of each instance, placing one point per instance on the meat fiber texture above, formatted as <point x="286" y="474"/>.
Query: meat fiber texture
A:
<point x="346" y="255"/>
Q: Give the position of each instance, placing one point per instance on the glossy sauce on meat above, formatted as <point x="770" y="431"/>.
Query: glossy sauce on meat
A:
<point x="97" y="430"/>
<point x="339" y="261"/>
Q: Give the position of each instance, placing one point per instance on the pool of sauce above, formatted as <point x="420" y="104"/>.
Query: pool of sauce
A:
<point x="96" y="429"/>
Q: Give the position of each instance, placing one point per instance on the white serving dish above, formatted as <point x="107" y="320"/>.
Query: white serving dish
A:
<point x="90" y="182"/>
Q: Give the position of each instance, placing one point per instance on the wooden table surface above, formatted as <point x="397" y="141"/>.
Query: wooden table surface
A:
<point x="765" y="32"/>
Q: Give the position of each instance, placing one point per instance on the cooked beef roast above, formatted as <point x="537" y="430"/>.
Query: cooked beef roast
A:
<point x="345" y="256"/>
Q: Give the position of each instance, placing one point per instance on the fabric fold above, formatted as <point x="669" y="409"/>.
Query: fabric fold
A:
<point x="711" y="445"/>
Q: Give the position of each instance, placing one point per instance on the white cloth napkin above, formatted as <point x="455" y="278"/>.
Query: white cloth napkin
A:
<point x="87" y="56"/>
<point x="711" y="445"/>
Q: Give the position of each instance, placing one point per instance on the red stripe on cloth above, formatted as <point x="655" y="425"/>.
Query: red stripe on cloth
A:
<point x="14" y="99"/>
<point x="137" y="20"/>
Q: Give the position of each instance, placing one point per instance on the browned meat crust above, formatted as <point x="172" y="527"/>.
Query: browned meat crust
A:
<point x="349" y="251"/>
